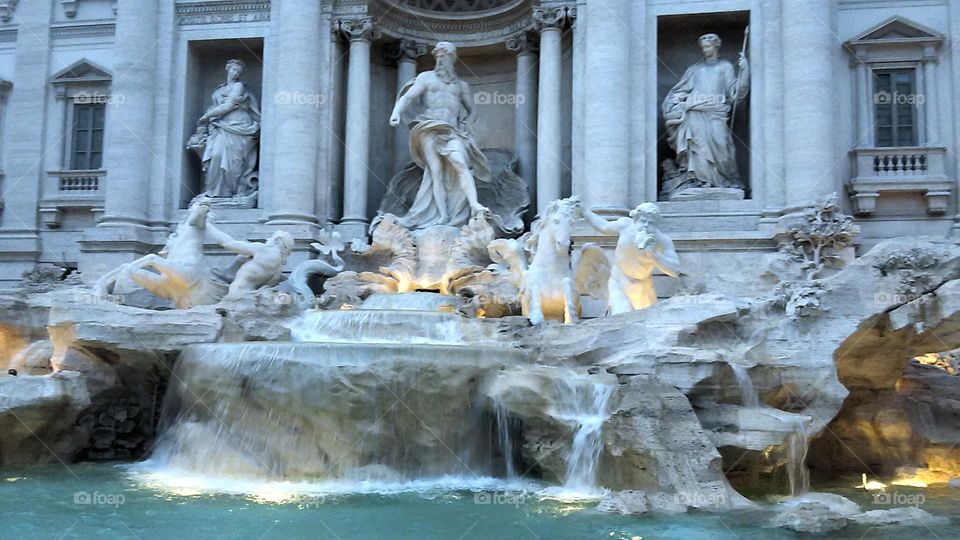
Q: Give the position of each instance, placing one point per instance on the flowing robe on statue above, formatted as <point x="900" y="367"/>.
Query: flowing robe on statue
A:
<point x="425" y="210"/>
<point x="230" y="156"/>
<point x="701" y="135"/>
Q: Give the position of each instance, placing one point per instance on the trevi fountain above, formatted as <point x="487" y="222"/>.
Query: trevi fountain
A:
<point x="559" y="310"/>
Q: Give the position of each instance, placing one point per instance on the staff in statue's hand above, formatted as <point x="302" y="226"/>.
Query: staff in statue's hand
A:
<point x="744" y="67"/>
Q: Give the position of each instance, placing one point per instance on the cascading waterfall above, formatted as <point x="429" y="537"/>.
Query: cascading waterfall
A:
<point x="585" y="405"/>
<point x="362" y="396"/>
<point x="796" y="449"/>
<point x="748" y="395"/>
<point x="388" y="326"/>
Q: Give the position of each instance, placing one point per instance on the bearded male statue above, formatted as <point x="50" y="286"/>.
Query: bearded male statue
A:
<point x="441" y="143"/>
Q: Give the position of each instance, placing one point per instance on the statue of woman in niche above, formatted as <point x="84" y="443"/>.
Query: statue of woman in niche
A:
<point x="697" y="115"/>
<point x="227" y="141"/>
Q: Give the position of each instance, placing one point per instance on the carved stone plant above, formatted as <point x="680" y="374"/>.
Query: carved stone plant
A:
<point x="815" y="244"/>
<point x="915" y="267"/>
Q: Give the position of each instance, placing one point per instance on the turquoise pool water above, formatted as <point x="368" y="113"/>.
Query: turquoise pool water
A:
<point x="108" y="501"/>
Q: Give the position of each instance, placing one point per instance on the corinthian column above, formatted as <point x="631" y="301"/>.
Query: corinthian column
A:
<point x="357" y="140"/>
<point x="810" y="162"/>
<point x="525" y="121"/>
<point x="607" y="109"/>
<point x="298" y="119"/>
<point x="406" y="54"/>
<point x="550" y="23"/>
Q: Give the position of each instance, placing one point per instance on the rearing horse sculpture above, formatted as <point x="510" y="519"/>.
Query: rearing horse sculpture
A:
<point x="554" y="280"/>
<point x="178" y="273"/>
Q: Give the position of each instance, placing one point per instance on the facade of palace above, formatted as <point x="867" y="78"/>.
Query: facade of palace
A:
<point x="99" y="101"/>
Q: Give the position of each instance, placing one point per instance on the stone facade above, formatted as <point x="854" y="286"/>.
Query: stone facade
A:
<point x="573" y="88"/>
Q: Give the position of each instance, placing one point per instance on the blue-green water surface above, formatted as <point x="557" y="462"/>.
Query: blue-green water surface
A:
<point x="107" y="501"/>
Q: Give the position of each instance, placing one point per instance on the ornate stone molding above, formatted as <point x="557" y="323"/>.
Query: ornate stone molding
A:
<point x="215" y="12"/>
<point x="358" y="29"/>
<point x="464" y="27"/>
<point x="454" y="6"/>
<point x="7" y="7"/>
<point x="69" y="8"/>
<point x="552" y="18"/>
<point x="527" y="43"/>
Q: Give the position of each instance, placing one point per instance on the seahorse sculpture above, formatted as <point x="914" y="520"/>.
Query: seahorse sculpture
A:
<point x="329" y="265"/>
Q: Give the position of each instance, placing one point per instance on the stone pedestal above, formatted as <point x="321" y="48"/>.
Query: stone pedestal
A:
<point x="707" y="194"/>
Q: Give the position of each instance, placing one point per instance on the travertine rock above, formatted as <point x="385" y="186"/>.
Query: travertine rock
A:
<point x="37" y="416"/>
<point x="810" y="517"/>
<point x="908" y="516"/>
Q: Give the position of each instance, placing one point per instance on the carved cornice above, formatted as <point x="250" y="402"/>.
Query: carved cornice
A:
<point x="358" y="29"/>
<point x="552" y="18"/>
<point x="526" y="43"/>
<point x="215" y="12"/>
<point x="7" y="7"/>
<point x="8" y="35"/>
<point x="406" y="50"/>
<point x="84" y="30"/>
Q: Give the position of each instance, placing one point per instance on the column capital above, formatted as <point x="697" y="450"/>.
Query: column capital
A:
<point x="357" y="29"/>
<point x="526" y="43"/>
<point x="406" y="50"/>
<point x="552" y="18"/>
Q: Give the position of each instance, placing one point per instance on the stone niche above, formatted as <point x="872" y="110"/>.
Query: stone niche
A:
<point x="677" y="49"/>
<point x="205" y="70"/>
<point x="491" y="72"/>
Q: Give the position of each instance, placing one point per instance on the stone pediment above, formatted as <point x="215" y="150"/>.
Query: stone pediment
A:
<point x="82" y="71"/>
<point x="898" y="31"/>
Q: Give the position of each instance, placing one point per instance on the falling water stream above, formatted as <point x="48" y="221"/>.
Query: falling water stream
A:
<point x="584" y="404"/>
<point x="748" y="395"/>
<point x="796" y="449"/>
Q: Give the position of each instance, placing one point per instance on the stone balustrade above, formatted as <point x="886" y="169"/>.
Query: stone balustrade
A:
<point x="79" y="190"/>
<point x="900" y="169"/>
